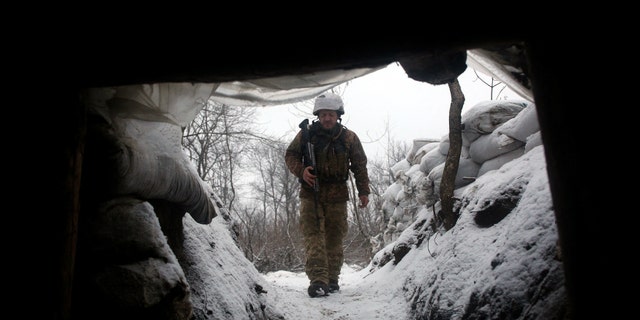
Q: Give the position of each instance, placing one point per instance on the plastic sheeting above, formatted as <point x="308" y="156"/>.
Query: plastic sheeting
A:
<point x="179" y="103"/>
<point x="480" y="61"/>
<point x="284" y="89"/>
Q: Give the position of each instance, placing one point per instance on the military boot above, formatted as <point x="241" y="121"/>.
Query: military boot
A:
<point x="318" y="289"/>
<point x="333" y="286"/>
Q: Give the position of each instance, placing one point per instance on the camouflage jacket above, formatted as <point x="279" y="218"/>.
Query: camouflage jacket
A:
<point x="337" y="152"/>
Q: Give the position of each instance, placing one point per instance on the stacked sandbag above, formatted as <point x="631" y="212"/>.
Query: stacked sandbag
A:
<point x="494" y="133"/>
<point x="467" y="172"/>
<point x="419" y="148"/>
<point x="400" y="205"/>
<point x="533" y="141"/>
<point x="508" y="141"/>
<point x="399" y="168"/>
<point x="432" y="159"/>
<point x="485" y="117"/>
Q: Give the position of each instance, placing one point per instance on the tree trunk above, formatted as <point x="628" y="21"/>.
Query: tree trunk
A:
<point x="447" y="185"/>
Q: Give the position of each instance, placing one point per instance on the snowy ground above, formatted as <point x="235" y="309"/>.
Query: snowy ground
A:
<point x="361" y="296"/>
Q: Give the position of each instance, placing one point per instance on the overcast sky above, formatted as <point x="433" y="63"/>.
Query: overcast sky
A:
<point x="412" y="109"/>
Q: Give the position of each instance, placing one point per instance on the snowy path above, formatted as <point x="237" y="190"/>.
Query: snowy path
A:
<point x="358" y="298"/>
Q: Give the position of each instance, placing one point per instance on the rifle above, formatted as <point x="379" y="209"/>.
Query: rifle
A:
<point x="308" y="154"/>
<point x="309" y="157"/>
<point x="312" y="163"/>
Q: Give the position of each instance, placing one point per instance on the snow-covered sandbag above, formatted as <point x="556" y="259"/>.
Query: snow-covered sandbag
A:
<point x="533" y="141"/>
<point x="414" y="175"/>
<point x="417" y="144"/>
<point x="467" y="170"/>
<point x="491" y="145"/>
<point x="443" y="147"/>
<point x="397" y="215"/>
<point x="400" y="167"/>
<point x="405" y="179"/>
<point x="388" y="207"/>
<point x="403" y="199"/>
<point x="522" y="125"/>
<point x="392" y="191"/>
<point x="486" y="116"/>
<point x="389" y="234"/>
<point x="399" y="221"/>
<point x="417" y="157"/>
<point x="497" y="162"/>
<point x="425" y="192"/>
<point x="431" y="160"/>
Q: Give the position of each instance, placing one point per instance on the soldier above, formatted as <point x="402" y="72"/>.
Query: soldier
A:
<point x="323" y="210"/>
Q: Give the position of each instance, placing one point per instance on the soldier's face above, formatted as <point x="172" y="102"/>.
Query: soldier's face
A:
<point x="328" y="118"/>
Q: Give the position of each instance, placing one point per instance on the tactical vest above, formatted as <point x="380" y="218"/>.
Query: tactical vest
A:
<point x="332" y="153"/>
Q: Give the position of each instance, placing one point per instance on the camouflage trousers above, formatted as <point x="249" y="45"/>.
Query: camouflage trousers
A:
<point x="323" y="231"/>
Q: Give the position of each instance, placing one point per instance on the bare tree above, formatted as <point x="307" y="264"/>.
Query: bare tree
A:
<point x="215" y="142"/>
<point x="493" y="84"/>
<point x="225" y="149"/>
<point x="274" y="194"/>
<point x="447" y="185"/>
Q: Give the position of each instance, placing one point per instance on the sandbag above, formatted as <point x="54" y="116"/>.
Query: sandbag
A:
<point x="431" y="160"/>
<point x="417" y="157"/>
<point x="533" y="141"/>
<point x="497" y="162"/>
<point x="400" y="167"/>
<point x="467" y="171"/>
<point x="445" y="144"/>
<point x="413" y="155"/>
<point x="484" y="117"/>
<point x="489" y="146"/>
<point x="522" y="125"/>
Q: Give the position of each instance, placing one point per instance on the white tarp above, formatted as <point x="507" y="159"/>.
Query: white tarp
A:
<point x="180" y="102"/>
<point x="480" y="61"/>
<point x="284" y="89"/>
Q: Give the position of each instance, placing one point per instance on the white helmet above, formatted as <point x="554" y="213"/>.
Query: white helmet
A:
<point x="328" y="101"/>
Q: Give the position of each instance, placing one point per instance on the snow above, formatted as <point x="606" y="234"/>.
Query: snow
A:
<point x="500" y="260"/>
<point x="361" y="296"/>
<point x="467" y="253"/>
